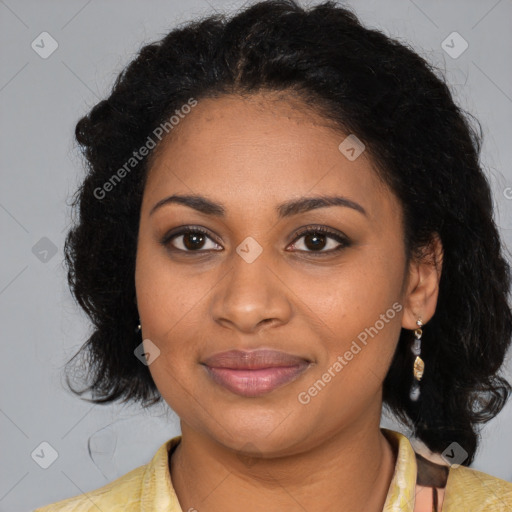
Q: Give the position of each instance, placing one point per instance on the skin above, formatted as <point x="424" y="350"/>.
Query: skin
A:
<point x="251" y="154"/>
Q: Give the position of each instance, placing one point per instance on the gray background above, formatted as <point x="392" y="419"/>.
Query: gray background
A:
<point x="40" y="102"/>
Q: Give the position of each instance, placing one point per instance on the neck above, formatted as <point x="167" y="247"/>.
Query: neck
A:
<point x="352" y="469"/>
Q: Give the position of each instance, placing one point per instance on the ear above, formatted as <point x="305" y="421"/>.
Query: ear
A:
<point x="420" y="298"/>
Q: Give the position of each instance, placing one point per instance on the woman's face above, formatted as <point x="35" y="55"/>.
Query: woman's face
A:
<point x="334" y="303"/>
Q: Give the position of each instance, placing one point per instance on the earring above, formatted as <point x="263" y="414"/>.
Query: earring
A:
<point x="419" y="365"/>
<point x="138" y="328"/>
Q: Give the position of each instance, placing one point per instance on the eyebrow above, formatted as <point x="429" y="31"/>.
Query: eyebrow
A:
<point x="286" y="209"/>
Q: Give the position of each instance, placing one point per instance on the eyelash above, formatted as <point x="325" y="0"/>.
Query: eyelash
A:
<point x="344" y="242"/>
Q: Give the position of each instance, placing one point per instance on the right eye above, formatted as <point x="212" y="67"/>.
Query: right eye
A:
<point x="191" y="239"/>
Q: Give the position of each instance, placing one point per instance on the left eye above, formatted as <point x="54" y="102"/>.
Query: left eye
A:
<point x="315" y="239"/>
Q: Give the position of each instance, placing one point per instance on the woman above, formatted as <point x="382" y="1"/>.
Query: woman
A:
<point x="285" y="226"/>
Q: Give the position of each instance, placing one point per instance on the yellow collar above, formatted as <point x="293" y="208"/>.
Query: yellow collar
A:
<point x="402" y="489"/>
<point x="158" y="492"/>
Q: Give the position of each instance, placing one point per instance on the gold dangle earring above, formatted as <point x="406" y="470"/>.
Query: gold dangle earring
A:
<point x="419" y="365"/>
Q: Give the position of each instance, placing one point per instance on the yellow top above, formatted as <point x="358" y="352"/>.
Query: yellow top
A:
<point x="148" y="488"/>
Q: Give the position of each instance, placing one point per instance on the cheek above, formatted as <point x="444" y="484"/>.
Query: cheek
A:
<point x="167" y="295"/>
<point x="359" y="300"/>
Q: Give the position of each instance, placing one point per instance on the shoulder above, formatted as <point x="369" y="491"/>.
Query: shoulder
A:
<point x="148" y="485"/>
<point x="470" y="490"/>
<point x="121" y="494"/>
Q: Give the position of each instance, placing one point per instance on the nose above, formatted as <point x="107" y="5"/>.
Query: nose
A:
<point x="251" y="297"/>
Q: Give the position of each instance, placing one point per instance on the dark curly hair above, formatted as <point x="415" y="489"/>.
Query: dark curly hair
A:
<point x="423" y="146"/>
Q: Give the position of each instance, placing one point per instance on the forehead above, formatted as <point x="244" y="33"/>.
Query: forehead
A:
<point x="262" y="148"/>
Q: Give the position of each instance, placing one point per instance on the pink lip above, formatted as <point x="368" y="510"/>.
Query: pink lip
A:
<point x="254" y="373"/>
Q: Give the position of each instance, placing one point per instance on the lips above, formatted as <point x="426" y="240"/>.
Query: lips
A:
<point x="256" y="372"/>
